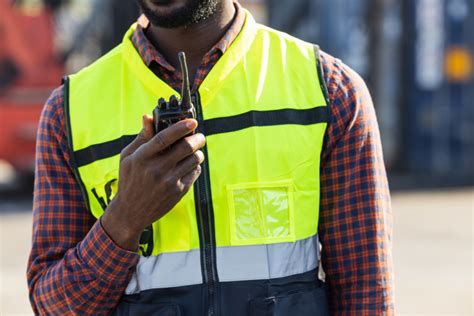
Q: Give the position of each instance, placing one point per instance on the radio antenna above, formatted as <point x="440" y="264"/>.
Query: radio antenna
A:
<point x="185" y="88"/>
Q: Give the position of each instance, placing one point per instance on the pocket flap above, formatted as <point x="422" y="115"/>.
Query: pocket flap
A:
<point x="312" y="302"/>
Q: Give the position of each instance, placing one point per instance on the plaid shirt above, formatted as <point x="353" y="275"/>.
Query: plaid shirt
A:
<point x="74" y="267"/>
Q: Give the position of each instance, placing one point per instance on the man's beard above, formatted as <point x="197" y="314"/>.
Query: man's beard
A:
<point x="192" y="12"/>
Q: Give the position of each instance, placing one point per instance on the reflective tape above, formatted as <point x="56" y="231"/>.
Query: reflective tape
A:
<point x="234" y="263"/>
<point x="270" y="261"/>
<point x="170" y="269"/>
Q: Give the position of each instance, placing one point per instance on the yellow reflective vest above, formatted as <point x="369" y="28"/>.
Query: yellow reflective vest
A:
<point x="253" y="213"/>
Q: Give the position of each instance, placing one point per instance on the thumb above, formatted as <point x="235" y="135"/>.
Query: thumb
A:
<point x="144" y="136"/>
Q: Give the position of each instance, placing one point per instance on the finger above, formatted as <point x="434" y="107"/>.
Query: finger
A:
<point x="187" y="165"/>
<point x="148" y="126"/>
<point x="143" y="137"/>
<point x="186" y="147"/>
<point x="169" y="136"/>
<point x="191" y="177"/>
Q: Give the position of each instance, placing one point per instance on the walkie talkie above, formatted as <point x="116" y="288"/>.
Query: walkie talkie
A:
<point x="166" y="114"/>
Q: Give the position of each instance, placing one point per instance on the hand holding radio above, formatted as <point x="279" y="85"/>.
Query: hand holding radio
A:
<point x="156" y="171"/>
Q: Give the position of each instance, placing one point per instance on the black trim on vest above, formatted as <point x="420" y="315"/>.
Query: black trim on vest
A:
<point x="322" y="84"/>
<point x="104" y="150"/>
<point x="73" y="159"/>
<point x="215" y="126"/>
<point x="266" y="118"/>
<point x="319" y="69"/>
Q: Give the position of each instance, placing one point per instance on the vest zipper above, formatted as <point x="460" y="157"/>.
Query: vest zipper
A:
<point x="205" y="216"/>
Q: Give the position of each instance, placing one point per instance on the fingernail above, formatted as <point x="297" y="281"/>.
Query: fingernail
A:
<point x="190" y="123"/>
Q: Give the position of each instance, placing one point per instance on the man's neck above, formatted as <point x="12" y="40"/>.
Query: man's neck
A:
<point x="195" y="40"/>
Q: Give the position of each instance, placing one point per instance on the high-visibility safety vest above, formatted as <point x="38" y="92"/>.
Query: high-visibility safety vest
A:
<point x="244" y="239"/>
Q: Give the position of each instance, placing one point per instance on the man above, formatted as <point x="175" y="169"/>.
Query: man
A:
<point x="284" y="165"/>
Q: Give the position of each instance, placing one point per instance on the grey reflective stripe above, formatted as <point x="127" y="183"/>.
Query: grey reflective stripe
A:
<point x="270" y="261"/>
<point x="170" y="269"/>
<point x="235" y="263"/>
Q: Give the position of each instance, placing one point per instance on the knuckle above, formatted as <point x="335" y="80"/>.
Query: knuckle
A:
<point x="194" y="159"/>
<point x="159" y="140"/>
<point x="127" y="162"/>
<point x="141" y="135"/>
<point x="124" y="163"/>
<point x="200" y="155"/>
<point x="188" y="146"/>
<point x="198" y="169"/>
<point x="197" y="157"/>
<point x="187" y="186"/>
<point x="138" y="154"/>
<point x="174" y="186"/>
<point x="180" y="187"/>
<point x="123" y="154"/>
<point x="202" y="139"/>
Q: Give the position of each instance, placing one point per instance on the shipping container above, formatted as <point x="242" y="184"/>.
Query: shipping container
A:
<point x="340" y="27"/>
<point x="438" y="84"/>
<point x="417" y="58"/>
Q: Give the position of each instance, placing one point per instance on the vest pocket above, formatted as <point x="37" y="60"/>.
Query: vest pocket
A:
<point x="311" y="302"/>
<point x="261" y="212"/>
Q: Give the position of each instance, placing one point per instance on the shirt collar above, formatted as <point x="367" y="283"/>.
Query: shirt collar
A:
<point x="150" y="54"/>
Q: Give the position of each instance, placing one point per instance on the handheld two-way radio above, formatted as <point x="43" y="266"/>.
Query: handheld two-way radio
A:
<point x="166" y="114"/>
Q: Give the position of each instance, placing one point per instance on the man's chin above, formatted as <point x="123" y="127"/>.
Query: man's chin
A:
<point x="177" y="13"/>
<point x="168" y="5"/>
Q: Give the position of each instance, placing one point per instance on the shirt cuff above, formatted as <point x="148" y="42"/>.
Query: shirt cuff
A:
<point x="110" y="262"/>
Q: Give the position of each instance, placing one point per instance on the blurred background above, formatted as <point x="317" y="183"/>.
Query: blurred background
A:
<point x="417" y="57"/>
